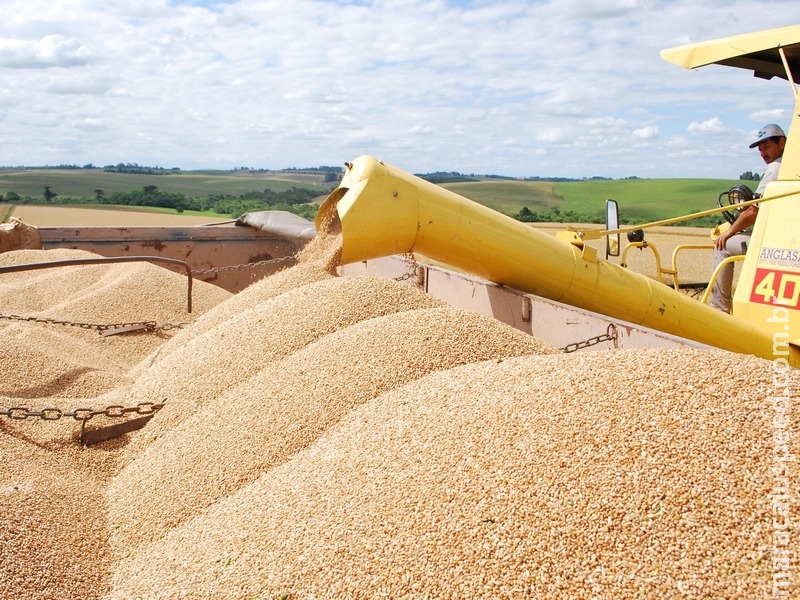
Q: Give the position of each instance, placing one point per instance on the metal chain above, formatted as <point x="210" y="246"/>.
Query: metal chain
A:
<point x="244" y="265"/>
<point x="412" y="265"/>
<point x="150" y="326"/>
<point x="609" y="336"/>
<point x="21" y="413"/>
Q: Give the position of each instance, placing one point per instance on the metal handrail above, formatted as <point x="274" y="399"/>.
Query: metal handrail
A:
<point x="596" y="234"/>
<point x="674" y="270"/>
<point x="101" y="260"/>
<point x="715" y="274"/>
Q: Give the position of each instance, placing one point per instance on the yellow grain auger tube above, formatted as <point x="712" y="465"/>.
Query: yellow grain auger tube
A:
<point x="384" y="211"/>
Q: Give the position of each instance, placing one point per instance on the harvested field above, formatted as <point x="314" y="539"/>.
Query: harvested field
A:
<point x="337" y="437"/>
<point x="65" y="216"/>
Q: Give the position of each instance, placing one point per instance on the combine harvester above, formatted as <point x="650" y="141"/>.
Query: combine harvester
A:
<point x="558" y="287"/>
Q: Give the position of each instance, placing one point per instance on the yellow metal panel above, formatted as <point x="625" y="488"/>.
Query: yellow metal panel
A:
<point x="768" y="291"/>
<point x="754" y="51"/>
<point x="769" y="284"/>
<point x="790" y="163"/>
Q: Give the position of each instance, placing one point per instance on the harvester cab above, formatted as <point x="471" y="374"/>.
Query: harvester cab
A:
<point x="768" y="291"/>
<point x="767" y="294"/>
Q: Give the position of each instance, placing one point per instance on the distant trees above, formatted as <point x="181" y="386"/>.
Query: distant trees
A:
<point x="294" y="200"/>
<point x="556" y="215"/>
<point x="297" y="200"/>
<point x="440" y="177"/>
<point x="750" y="176"/>
<point x="149" y="195"/>
<point x="139" y="169"/>
<point x="291" y="199"/>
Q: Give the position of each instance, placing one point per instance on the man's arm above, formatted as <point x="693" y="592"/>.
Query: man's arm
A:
<point x="745" y="219"/>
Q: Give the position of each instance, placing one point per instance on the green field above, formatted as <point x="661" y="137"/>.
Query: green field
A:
<point x="646" y="199"/>
<point x="84" y="182"/>
<point x="509" y="196"/>
<point x="640" y="200"/>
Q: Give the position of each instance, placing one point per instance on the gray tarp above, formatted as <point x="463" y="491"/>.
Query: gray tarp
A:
<point x="279" y="222"/>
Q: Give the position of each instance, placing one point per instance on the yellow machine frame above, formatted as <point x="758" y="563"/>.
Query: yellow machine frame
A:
<point x="768" y="291"/>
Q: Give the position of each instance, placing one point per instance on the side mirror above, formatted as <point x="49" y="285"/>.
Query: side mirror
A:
<point x="612" y="223"/>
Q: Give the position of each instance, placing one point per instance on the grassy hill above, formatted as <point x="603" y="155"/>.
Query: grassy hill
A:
<point x="510" y="196"/>
<point x="640" y="200"/>
<point x="84" y="182"/>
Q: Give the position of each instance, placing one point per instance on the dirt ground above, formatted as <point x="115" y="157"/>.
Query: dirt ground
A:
<point x="65" y="216"/>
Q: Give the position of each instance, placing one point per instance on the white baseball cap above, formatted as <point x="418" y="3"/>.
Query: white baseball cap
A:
<point x="766" y="132"/>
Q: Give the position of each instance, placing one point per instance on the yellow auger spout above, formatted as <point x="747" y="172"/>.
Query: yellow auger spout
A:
<point x="384" y="211"/>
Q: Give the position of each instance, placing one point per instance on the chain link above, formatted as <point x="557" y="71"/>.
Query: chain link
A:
<point x="609" y="336"/>
<point x="260" y="263"/>
<point x="411" y="265"/>
<point x="149" y="326"/>
<point x="21" y="413"/>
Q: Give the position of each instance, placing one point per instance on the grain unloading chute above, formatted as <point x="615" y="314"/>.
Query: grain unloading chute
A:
<point x="383" y="211"/>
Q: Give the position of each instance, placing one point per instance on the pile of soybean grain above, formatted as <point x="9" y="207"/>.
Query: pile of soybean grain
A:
<point x="629" y="474"/>
<point x="233" y="438"/>
<point x="38" y="362"/>
<point x="54" y="533"/>
<point x="209" y="365"/>
<point x="67" y="367"/>
<point x="53" y="530"/>
<point x="102" y="294"/>
<point x="316" y="261"/>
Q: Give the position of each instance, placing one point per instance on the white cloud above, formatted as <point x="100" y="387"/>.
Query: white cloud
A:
<point x="776" y="115"/>
<point x="89" y="123"/>
<point x="49" y="51"/>
<point x="648" y="132"/>
<point x="421" y="129"/>
<point x="553" y="87"/>
<point x="712" y="126"/>
<point x="677" y="141"/>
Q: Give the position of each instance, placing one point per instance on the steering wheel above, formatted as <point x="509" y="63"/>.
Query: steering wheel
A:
<point x="735" y="195"/>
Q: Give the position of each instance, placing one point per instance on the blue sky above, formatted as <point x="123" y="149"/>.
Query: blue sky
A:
<point x="570" y="88"/>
